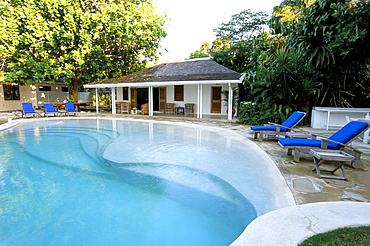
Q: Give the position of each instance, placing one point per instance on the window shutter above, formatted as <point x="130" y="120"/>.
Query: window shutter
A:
<point x="179" y="93"/>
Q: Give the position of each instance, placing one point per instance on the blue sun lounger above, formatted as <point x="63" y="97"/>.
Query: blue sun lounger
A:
<point x="27" y="108"/>
<point x="49" y="109"/>
<point x="338" y="141"/>
<point x="70" y="108"/>
<point x="276" y="129"/>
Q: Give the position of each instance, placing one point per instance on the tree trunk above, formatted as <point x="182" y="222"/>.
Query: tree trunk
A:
<point x="76" y="81"/>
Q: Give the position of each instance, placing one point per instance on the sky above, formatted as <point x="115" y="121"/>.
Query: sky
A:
<point x="191" y="22"/>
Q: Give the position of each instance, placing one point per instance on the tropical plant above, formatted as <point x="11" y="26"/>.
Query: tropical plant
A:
<point x="255" y="113"/>
<point x="286" y="78"/>
<point x="76" y="41"/>
<point x="242" y="26"/>
<point x="286" y="16"/>
<point x="235" y="98"/>
<point x="335" y="34"/>
<point x="283" y="83"/>
<point x="232" y="46"/>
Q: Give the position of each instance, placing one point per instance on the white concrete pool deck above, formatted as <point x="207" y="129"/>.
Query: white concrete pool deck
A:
<point x="292" y="225"/>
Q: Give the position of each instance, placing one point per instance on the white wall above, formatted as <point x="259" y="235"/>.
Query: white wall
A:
<point x="191" y="95"/>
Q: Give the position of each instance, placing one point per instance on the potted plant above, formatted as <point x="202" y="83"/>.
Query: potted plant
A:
<point x="225" y="99"/>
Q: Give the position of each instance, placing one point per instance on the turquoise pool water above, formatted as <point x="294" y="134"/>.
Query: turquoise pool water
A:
<point x="111" y="182"/>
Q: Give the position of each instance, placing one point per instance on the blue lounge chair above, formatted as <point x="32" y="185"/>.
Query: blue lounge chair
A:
<point x="338" y="141"/>
<point x="276" y="129"/>
<point x="70" y="108"/>
<point x="27" y="108"/>
<point x="49" y="109"/>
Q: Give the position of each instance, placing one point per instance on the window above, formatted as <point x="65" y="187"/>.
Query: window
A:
<point x="11" y="92"/>
<point x="179" y="93"/>
<point x="44" y="88"/>
<point x="125" y="93"/>
<point x="64" y="89"/>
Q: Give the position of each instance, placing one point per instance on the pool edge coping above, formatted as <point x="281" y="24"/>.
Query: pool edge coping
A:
<point x="292" y="225"/>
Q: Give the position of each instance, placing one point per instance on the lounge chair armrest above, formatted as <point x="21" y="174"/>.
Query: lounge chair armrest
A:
<point x="277" y="125"/>
<point x="325" y="141"/>
<point x="269" y="124"/>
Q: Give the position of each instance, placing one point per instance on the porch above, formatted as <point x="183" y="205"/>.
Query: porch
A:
<point x="200" y="82"/>
<point x="162" y="116"/>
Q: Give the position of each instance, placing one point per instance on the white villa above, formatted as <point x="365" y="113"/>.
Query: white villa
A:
<point x="198" y="81"/>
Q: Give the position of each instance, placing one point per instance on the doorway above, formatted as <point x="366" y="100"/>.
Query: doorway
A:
<point x="155" y="99"/>
<point x="216" y="99"/>
<point x="141" y="96"/>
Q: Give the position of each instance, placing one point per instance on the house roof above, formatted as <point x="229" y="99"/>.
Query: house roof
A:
<point x="191" y="70"/>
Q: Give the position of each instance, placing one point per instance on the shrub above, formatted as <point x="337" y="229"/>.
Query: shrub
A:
<point x="252" y="113"/>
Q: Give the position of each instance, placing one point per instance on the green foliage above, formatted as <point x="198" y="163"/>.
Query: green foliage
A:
<point x="254" y="113"/>
<point x="336" y="36"/>
<point x="198" y="54"/>
<point x="283" y="78"/>
<point x="74" y="41"/>
<point x="286" y="16"/>
<point x="317" y="55"/>
<point x="242" y="26"/>
<point x="342" y="236"/>
<point x="105" y="98"/>
<point x="225" y="98"/>
<point x="233" y="46"/>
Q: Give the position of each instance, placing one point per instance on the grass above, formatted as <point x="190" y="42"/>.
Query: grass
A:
<point x="341" y="237"/>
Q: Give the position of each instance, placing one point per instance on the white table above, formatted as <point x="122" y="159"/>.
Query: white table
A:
<point x="338" y="119"/>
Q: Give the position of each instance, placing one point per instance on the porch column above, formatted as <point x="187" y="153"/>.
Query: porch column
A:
<point x="113" y="98"/>
<point x="97" y="100"/>
<point x="150" y="101"/>
<point x="230" y="104"/>
<point x="200" y="101"/>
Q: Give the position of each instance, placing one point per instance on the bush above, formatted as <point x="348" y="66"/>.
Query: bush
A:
<point x="251" y="113"/>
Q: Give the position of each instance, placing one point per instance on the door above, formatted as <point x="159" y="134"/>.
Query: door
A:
<point x="133" y="97"/>
<point x="162" y="99"/>
<point x="216" y="99"/>
<point x="156" y="99"/>
<point x="141" y="97"/>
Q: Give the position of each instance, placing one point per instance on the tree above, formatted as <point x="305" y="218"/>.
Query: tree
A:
<point x="232" y="45"/>
<point x="287" y="14"/>
<point x="335" y="34"/>
<point x="242" y="26"/>
<point x="202" y="52"/>
<point x="285" y="79"/>
<point x="234" y="42"/>
<point x="76" y="41"/>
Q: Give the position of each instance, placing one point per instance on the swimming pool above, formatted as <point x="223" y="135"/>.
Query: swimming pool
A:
<point x="119" y="182"/>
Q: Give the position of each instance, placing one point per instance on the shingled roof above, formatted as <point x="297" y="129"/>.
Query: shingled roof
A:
<point x="191" y="70"/>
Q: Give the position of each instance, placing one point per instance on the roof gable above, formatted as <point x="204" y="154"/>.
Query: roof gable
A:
<point x="192" y="70"/>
